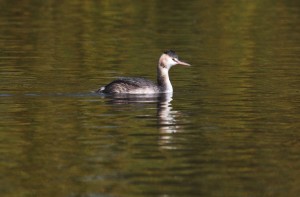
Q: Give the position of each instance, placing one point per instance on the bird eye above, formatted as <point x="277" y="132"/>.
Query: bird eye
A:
<point x="175" y="60"/>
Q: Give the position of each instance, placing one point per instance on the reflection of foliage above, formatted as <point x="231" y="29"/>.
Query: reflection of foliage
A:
<point x="245" y="57"/>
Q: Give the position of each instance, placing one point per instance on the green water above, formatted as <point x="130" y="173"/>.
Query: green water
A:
<point x="231" y="128"/>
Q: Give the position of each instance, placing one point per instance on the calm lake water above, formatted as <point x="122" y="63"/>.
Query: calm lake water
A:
<point x="231" y="127"/>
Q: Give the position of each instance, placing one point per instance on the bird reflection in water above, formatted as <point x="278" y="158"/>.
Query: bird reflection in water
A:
<point x="166" y="116"/>
<point x="167" y="122"/>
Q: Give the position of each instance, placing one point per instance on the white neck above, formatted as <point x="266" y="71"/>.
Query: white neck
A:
<point x="163" y="80"/>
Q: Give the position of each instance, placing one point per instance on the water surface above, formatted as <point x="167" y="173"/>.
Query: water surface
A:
<point x="231" y="127"/>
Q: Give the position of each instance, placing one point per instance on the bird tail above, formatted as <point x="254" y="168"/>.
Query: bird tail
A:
<point x="100" y="90"/>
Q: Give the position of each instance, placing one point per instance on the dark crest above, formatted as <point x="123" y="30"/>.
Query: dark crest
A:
<point x="171" y="53"/>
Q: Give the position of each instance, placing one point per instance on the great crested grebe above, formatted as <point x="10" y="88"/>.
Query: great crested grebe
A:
<point x="136" y="85"/>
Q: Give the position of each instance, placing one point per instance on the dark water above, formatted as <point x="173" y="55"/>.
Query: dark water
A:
<point x="231" y="128"/>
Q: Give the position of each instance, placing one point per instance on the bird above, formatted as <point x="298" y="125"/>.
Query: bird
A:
<point x="138" y="85"/>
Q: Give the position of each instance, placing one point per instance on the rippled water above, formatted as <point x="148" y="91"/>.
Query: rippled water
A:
<point x="231" y="127"/>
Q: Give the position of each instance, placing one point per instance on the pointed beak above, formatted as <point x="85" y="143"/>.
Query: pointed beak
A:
<point x="182" y="63"/>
